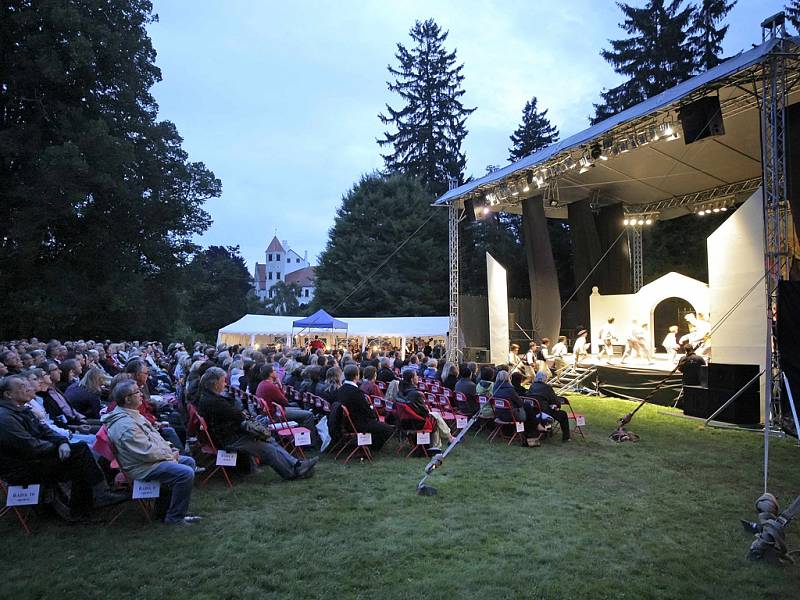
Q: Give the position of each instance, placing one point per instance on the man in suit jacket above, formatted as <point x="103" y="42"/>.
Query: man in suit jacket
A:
<point x="361" y="412"/>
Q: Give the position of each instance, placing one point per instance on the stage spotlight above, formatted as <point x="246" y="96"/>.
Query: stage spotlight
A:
<point x="596" y="151"/>
<point x="648" y="221"/>
<point x="701" y="212"/>
<point x="652" y="133"/>
<point x="640" y="222"/>
<point x="626" y="222"/>
<point x="724" y="209"/>
<point x="553" y="203"/>
<point x="624" y="146"/>
<point x="492" y="199"/>
<point x="486" y="210"/>
<point x="715" y="209"/>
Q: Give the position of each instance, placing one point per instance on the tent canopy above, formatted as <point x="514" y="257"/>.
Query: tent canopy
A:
<point x="319" y="320"/>
<point x="358" y="326"/>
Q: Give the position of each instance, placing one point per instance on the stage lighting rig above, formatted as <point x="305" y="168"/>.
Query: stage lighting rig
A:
<point x="639" y="219"/>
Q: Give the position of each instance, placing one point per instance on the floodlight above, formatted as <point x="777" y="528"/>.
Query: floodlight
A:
<point x="648" y="221"/>
<point x="596" y="151"/>
<point x="640" y="222"/>
<point x="625" y="222"/>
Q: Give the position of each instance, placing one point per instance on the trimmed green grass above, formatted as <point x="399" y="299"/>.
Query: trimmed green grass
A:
<point x="657" y="519"/>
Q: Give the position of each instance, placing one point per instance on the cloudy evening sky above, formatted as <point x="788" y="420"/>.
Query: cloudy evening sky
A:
<point x="280" y="99"/>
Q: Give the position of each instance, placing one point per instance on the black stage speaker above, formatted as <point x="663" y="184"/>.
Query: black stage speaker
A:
<point x="731" y="377"/>
<point x="701" y="119"/>
<point x="469" y="209"/>
<point x="702" y="402"/>
<point x="788" y="337"/>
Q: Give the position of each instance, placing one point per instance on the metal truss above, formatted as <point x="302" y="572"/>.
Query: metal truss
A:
<point x="637" y="258"/>
<point x="776" y="210"/>
<point x="455" y="214"/>
<point x="717" y="193"/>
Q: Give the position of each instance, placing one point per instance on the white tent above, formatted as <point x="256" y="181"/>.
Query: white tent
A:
<point x="266" y="329"/>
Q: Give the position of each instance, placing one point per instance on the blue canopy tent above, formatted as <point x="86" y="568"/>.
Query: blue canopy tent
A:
<point x="320" y="320"/>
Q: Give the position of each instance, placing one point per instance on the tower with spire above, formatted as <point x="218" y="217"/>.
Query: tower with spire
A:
<point x="281" y="263"/>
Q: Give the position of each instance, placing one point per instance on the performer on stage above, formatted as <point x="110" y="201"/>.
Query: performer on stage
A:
<point x="644" y="343"/>
<point x="608" y="334"/>
<point x="558" y="353"/>
<point x="670" y="343"/>
<point x="579" y="348"/>
<point x="632" y="342"/>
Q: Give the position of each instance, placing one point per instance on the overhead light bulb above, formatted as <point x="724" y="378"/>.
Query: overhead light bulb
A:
<point x="724" y="209"/>
<point x="701" y="212"/>
<point x="648" y="221"/>
<point x="640" y="222"/>
<point x="716" y="210"/>
<point x="625" y="222"/>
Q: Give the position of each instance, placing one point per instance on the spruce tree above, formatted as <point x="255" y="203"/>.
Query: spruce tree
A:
<point x="378" y="216"/>
<point x="430" y="126"/>
<point x="534" y="133"/>
<point x="656" y="56"/>
<point x="706" y="35"/>
<point x="793" y="14"/>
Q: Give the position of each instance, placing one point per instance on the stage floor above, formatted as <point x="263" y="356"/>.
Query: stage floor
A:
<point x="660" y="363"/>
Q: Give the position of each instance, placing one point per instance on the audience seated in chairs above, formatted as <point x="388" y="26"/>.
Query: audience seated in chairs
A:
<point x="385" y="373"/>
<point x="268" y="389"/>
<point x="224" y="421"/>
<point x="143" y="454"/>
<point x="40" y="379"/>
<point x="409" y="394"/>
<point x="361" y="411"/>
<point x="525" y="411"/>
<point x="466" y="386"/>
<point x="33" y="453"/>
<point x="550" y="402"/>
<point x="57" y="405"/>
<point x="140" y="372"/>
<point x="368" y="385"/>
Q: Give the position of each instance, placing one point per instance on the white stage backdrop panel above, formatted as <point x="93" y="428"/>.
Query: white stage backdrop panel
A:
<point x="735" y="264"/>
<point x="498" y="311"/>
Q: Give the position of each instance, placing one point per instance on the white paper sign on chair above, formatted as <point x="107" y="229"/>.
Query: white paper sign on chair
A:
<point x="302" y="437"/>
<point x="423" y="437"/>
<point x="461" y="421"/>
<point x="520" y="427"/>
<point x="22" y="495"/>
<point x="580" y="420"/>
<point x="145" y="489"/>
<point x="364" y="439"/>
<point x="226" y="459"/>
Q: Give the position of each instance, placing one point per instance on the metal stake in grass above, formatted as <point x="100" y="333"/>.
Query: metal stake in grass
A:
<point x="436" y="461"/>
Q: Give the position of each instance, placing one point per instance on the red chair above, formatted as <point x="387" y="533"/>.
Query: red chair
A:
<point x="381" y="385"/>
<point x="485" y="422"/>
<point x="209" y="449"/>
<point x="350" y="435"/>
<point x="22" y="512"/>
<point x="105" y="448"/>
<point x="410" y="424"/>
<point x="282" y="428"/>
<point x="504" y="417"/>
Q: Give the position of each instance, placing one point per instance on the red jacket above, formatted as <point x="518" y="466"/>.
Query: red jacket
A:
<point x="270" y="392"/>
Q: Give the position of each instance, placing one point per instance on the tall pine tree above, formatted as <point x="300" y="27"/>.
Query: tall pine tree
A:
<point x="430" y="127"/>
<point x="534" y="133"/>
<point x="706" y="33"/>
<point x="793" y="14"/>
<point x="657" y="54"/>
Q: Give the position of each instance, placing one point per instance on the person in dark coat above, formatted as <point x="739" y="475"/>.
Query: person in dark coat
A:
<point x="550" y="403"/>
<point x="31" y="452"/>
<point x="361" y="412"/>
<point x="224" y="421"/>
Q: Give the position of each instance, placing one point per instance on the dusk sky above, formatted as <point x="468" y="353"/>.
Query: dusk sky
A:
<point x="280" y="99"/>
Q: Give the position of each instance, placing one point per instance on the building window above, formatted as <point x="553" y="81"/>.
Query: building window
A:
<point x="277" y="275"/>
<point x="306" y="291"/>
<point x="270" y="275"/>
<point x="269" y="257"/>
<point x="297" y="260"/>
<point x="271" y="293"/>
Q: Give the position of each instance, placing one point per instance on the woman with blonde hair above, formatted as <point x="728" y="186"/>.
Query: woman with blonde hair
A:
<point x="84" y="395"/>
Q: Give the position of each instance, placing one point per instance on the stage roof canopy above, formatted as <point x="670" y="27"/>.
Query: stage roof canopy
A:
<point x="636" y="163"/>
<point x="319" y="320"/>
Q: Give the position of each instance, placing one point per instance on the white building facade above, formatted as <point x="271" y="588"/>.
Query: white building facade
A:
<point x="281" y="263"/>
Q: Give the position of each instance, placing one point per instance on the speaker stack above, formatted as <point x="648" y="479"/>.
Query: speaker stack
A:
<point x="723" y="382"/>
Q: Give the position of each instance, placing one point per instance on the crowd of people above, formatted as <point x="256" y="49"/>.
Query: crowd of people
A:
<point x="69" y="411"/>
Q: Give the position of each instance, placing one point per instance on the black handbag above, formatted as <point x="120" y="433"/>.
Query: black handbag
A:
<point x="256" y="430"/>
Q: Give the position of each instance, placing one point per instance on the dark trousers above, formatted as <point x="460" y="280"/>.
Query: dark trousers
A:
<point x="561" y="417"/>
<point x="381" y="432"/>
<point x="80" y="469"/>
<point x="271" y="453"/>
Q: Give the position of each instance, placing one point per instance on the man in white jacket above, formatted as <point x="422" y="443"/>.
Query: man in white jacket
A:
<point x="143" y="454"/>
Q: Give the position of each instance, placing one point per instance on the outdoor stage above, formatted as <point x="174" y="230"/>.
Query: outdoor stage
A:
<point x="636" y="379"/>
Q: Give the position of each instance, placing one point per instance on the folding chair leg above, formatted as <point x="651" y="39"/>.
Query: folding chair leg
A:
<point x="23" y="520"/>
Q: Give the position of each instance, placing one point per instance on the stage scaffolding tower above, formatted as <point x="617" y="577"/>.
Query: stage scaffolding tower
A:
<point x="637" y="264"/>
<point x="454" y="214"/>
<point x="775" y="204"/>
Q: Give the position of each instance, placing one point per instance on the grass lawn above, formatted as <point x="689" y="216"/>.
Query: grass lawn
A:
<point x="657" y="519"/>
